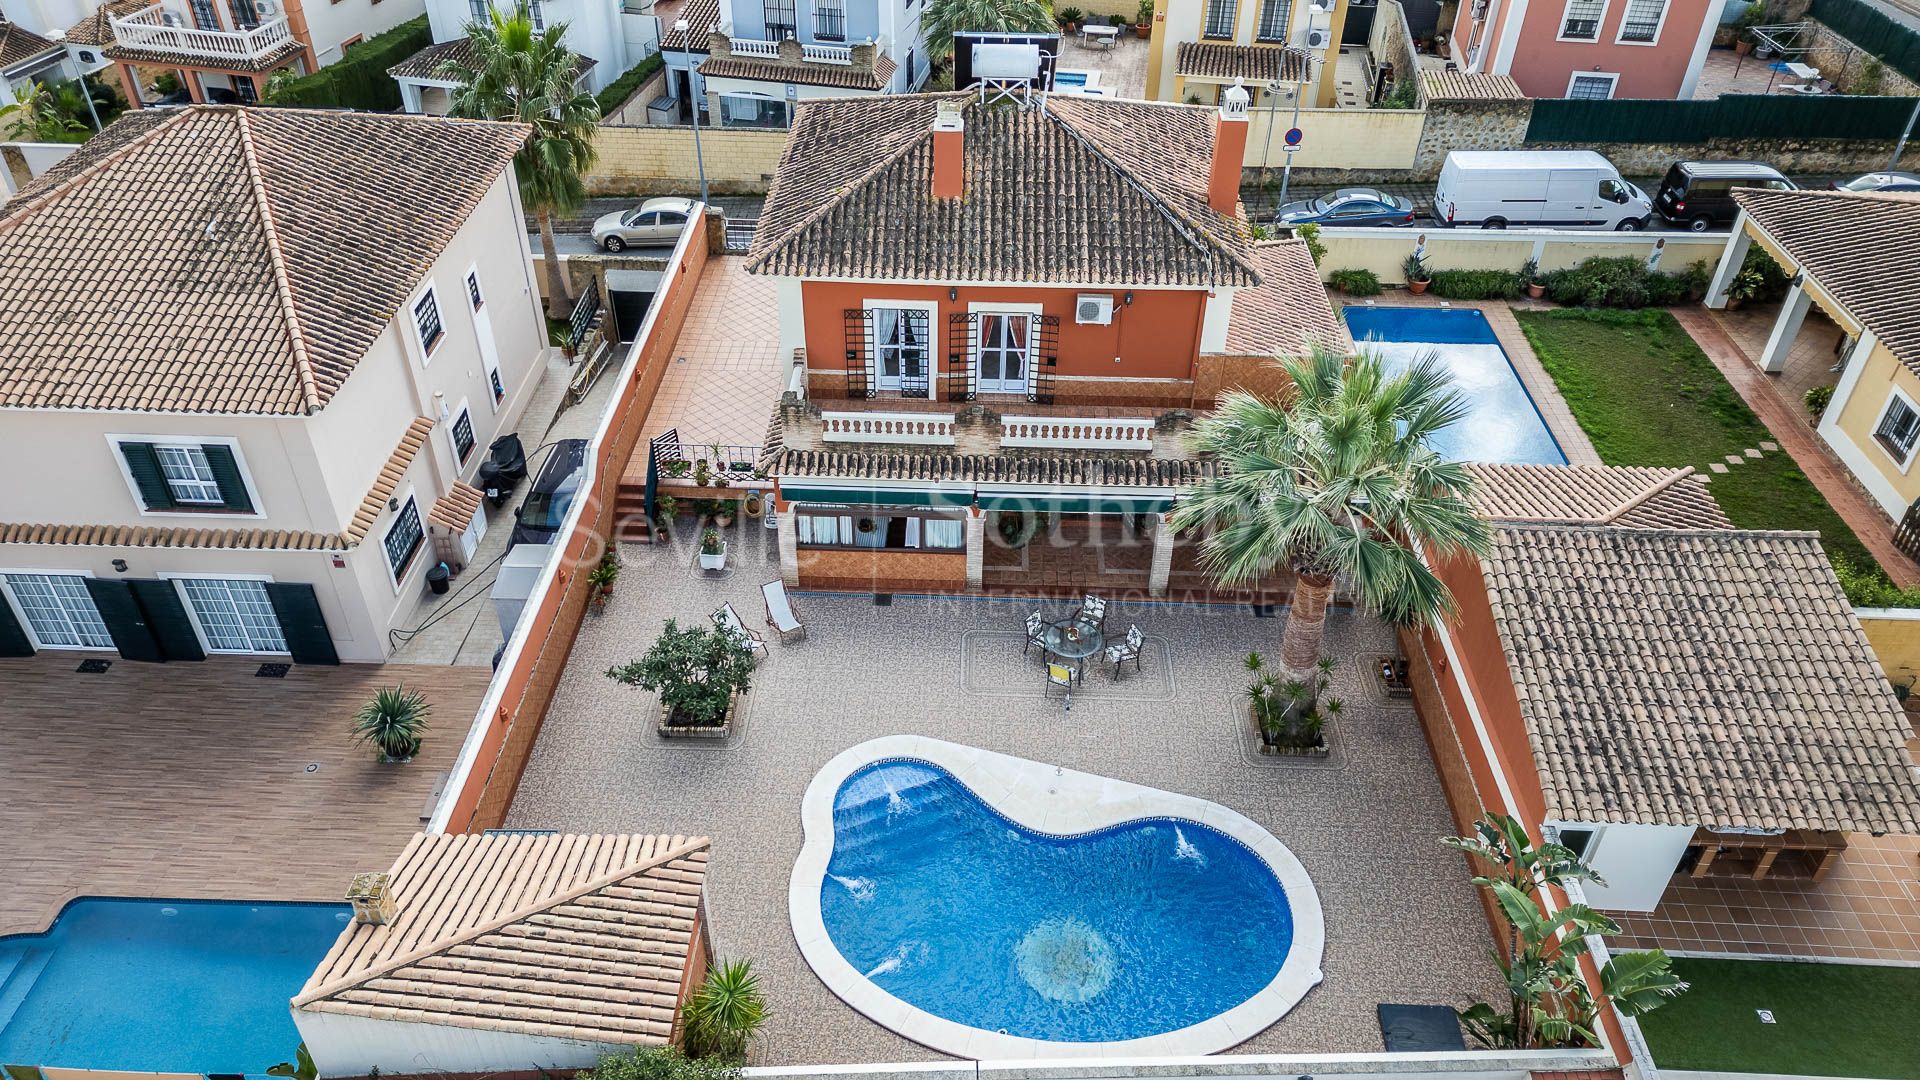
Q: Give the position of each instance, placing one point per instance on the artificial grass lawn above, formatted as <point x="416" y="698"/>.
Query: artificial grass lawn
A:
<point x="1830" y="1019"/>
<point x="1646" y="395"/>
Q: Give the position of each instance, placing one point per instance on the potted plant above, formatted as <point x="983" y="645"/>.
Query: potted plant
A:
<point x="665" y="509"/>
<point x="725" y="1012"/>
<point x="1414" y="267"/>
<point x="1143" y="20"/>
<point x="713" y="551"/>
<point x="701" y="473"/>
<point x="723" y="511"/>
<point x="394" y="722"/>
<point x="1817" y="399"/>
<point x="1745" y="285"/>
<point x="676" y="468"/>
<point x="1288" y="713"/>
<point x="1755" y="15"/>
<point x="1069" y="18"/>
<point x="752" y="504"/>
<point x="600" y="580"/>
<point x="1530" y="277"/>
<point x="699" y="673"/>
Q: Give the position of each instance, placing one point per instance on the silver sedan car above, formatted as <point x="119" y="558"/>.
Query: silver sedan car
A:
<point x="656" y="221"/>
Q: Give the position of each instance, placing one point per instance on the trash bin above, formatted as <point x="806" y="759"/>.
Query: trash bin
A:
<point x="437" y="578"/>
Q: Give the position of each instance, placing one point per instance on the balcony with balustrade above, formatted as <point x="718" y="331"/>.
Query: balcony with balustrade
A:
<point x="860" y="65"/>
<point x="168" y="33"/>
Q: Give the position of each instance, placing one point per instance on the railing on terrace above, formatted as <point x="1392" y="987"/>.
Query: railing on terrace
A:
<point x="757" y="47"/>
<point x="738" y="234"/>
<point x="679" y="458"/>
<point x="929" y="429"/>
<point x="1077" y="433"/>
<point x="826" y="54"/>
<point x="762" y="49"/>
<point x="162" y="30"/>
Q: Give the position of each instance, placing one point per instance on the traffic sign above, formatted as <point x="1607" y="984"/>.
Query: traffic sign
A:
<point x="1293" y="136"/>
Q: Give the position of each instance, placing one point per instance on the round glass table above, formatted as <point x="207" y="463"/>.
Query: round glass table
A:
<point x="1074" y="640"/>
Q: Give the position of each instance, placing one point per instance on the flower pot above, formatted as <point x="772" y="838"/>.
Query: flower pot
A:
<point x="717" y="561"/>
<point x="752" y="506"/>
<point x="1143" y="31"/>
<point x="1536" y="290"/>
<point x="1742" y="47"/>
<point x="1733" y="303"/>
<point x="1417" y="287"/>
<point x="668" y="729"/>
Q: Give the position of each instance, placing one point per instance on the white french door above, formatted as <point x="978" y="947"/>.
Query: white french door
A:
<point x="900" y="347"/>
<point x="1001" y="365"/>
<point x="58" y="610"/>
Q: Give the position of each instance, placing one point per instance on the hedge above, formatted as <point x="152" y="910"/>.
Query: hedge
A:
<point x="622" y="88"/>
<point x="1623" y="282"/>
<point x="360" y="80"/>
<point x="1477" y="284"/>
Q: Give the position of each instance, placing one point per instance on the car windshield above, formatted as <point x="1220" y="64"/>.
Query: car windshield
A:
<point x="547" y="510"/>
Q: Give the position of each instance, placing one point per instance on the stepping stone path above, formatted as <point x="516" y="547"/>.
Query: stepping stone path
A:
<point x="1751" y="453"/>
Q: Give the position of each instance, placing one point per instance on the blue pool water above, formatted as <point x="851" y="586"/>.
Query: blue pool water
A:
<point x="1069" y="78"/>
<point x="162" y="985"/>
<point x="1502" y="424"/>
<point x="1138" y="929"/>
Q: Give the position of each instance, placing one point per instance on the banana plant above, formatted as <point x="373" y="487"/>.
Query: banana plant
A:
<point x="1501" y="842"/>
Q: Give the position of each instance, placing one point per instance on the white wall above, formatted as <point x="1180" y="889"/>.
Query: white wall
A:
<point x="354" y="1046"/>
<point x="1636" y="861"/>
<point x="46" y="17"/>
<point x="39" y="158"/>
<point x="594" y="29"/>
<point x="331" y="23"/>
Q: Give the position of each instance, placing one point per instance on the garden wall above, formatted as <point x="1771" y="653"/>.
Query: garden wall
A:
<point x="1894" y="634"/>
<point x="1383" y="250"/>
<point x="660" y="160"/>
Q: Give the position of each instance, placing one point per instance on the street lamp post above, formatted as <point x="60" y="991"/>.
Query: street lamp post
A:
<point x="686" y="49"/>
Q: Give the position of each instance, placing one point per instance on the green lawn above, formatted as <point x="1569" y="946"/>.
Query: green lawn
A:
<point x="1646" y="395"/>
<point x="1830" y="1019"/>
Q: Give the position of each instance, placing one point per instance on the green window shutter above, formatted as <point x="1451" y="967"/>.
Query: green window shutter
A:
<point x="233" y="489"/>
<point x="144" y="465"/>
<point x="13" y="637"/>
<point x="166" y="618"/>
<point x="126" y="623"/>
<point x="301" y="622"/>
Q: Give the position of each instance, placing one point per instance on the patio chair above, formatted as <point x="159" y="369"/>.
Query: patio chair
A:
<point x="1036" y="633"/>
<point x="728" y="619"/>
<point x="780" y="614"/>
<point x="1128" y="650"/>
<point x="1062" y="676"/>
<point x="1093" y="611"/>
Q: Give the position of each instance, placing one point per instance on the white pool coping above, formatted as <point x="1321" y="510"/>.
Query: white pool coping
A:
<point x="1060" y="801"/>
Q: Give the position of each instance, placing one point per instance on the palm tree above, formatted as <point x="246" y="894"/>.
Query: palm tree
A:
<point x="528" y="76"/>
<point x="944" y="18"/>
<point x="1336" y="480"/>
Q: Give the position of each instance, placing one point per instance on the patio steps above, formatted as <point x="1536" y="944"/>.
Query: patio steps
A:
<point x="17" y="976"/>
<point x="630" y="523"/>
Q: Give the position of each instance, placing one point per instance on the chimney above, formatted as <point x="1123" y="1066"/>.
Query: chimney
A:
<point x="372" y="898"/>
<point x="949" y="146"/>
<point x="1229" y="150"/>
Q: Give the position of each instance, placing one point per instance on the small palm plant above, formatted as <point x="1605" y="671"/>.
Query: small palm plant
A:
<point x="725" y="1012"/>
<point x="944" y="18"/>
<point x="394" y="721"/>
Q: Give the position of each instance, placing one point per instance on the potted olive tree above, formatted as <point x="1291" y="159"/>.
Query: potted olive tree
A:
<point x="699" y="673"/>
<point x="713" y="550"/>
<point x="1143" y="20"/>
<point x="393" y="722"/>
<point x="1288" y="713"/>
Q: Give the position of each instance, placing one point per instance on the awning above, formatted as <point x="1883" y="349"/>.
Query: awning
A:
<point x="1057" y="503"/>
<point x="929" y="497"/>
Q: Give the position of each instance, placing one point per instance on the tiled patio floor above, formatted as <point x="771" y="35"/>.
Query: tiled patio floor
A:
<point x="202" y="780"/>
<point x="1868" y="908"/>
<point x="1810" y="361"/>
<point x="1403" y="923"/>
<point x="1727" y="73"/>
<point x="1123" y="68"/>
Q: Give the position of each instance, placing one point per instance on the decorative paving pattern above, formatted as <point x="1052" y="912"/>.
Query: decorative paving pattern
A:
<point x="997" y="664"/>
<point x="1403" y="923"/>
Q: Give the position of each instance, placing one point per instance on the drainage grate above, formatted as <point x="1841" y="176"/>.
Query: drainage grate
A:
<point x="273" y="671"/>
<point x="94" y="667"/>
<point x="883" y="599"/>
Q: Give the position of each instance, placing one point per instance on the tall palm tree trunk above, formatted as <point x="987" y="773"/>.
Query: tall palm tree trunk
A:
<point x="1306" y="626"/>
<point x="559" y="297"/>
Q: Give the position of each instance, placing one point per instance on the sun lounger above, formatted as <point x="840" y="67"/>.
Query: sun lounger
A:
<point x="728" y="619"/>
<point x="780" y="614"/>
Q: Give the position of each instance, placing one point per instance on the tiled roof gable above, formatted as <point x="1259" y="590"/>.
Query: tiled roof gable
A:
<point x="1648" y="498"/>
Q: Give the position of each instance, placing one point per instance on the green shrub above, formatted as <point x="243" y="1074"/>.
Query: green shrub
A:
<point x="658" y="1063"/>
<point x="1818" y="399"/>
<point x="360" y="80"/>
<point x="1477" y="284"/>
<point x="622" y="88"/>
<point x="1769" y="277"/>
<point x="1869" y="586"/>
<point x="1620" y="282"/>
<point x="1404" y="95"/>
<point x="1356" y="282"/>
<point x="1311" y="234"/>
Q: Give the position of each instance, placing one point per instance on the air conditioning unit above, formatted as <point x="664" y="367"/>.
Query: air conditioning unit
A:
<point x="265" y="9"/>
<point x="171" y="18"/>
<point x="1317" y="39"/>
<point x="1093" y="309"/>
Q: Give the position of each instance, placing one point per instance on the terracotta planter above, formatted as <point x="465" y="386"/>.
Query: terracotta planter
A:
<point x="1536" y="290"/>
<point x="1742" y="47"/>
<point x="1143" y="31"/>
<point x="670" y="730"/>
<point x="1418" y="287"/>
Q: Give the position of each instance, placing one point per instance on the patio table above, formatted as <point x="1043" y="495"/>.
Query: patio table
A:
<point x="1083" y="642"/>
<point x="1105" y="36"/>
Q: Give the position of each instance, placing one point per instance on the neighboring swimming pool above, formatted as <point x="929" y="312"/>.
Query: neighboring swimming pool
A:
<point x="162" y="985"/>
<point x="1124" y="925"/>
<point x="1502" y="423"/>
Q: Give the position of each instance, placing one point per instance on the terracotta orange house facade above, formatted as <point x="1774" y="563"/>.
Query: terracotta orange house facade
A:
<point x="1589" y="48"/>
<point x="1002" y="317"/>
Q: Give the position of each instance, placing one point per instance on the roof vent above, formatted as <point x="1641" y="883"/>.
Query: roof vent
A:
<point x="372" y="898"/>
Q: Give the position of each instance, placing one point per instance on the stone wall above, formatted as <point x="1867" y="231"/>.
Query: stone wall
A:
<point x="1469" y="125"/>
<point x="1843" y="63"/>
<point x="660" y="160"/>
<point x="1791" y="156"/>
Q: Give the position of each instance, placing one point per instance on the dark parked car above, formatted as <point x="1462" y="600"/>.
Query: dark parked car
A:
<point x="1880" y="181"/>
<point x="1699" y="194"/>
<point x="1349" y="206"/>
<point x="552" y="494"/>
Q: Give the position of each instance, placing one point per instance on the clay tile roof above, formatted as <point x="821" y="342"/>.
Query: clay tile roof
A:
<point x="839" y="76"/>
<point x="19" y="45"/>
<point x="1710" y="677"/>
<point x="97" y="28"/>
<point x="1045" y="469"/>
<point x="1822" y="231"/>
<point x="1645" y="498"/>
<point x="1091" y="191"/>
<point x="1256" y="65"/>
<point x="454" y="511"/>
<point x="702" y="17"/>
<point x="257" y="254"/>
<point x="563" y="935"/>
<point x="425" y="64"/>
<point x="1288" y="310"/>
<point x="1469" y="86"/>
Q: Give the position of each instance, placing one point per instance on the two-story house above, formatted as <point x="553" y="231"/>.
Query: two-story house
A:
<point x="223" y="51"/>
<point x="1004" y="313"/>
<point x="1275" y="48"/>
<point x="1589" y="48"/>
<point x="237" y="425"/>
<point x="606" y="38"/>
<point x="766" y="56"/>
<point x="27" y="58"/>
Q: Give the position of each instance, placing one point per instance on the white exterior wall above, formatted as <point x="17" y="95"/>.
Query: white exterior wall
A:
<point x="1635" y="860"/>
<point x="354" y="1046"/>
<point x="47" y="17"/>
<point x="39" y="157"/>
<point x="330" y="24"/>
<point x="594" y="29"/>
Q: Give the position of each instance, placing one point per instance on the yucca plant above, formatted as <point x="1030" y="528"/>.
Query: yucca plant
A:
<point x="394" y="721"/>
<point x="725" y="1012"/>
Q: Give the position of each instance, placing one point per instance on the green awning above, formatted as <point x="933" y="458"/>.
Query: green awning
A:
<point x="1079" y="504"/>
<point x="877" y="496"/>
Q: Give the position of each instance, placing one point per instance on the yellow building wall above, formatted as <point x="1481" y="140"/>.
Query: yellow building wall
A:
<point x="646" y="160"/>
<point x="1330" y="138"/>
<point x="1895" y="637"/>
<point x="1883" y="372"/>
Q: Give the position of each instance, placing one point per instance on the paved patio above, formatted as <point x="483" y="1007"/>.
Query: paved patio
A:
<point x="1403" y="923"/>
<point x="1123" y="68"/>
<point x="203" y="780"/>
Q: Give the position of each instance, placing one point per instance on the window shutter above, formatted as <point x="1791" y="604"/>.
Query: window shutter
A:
<point x="301" y="622"/>
<point x="166" y="617"/>
<point x="233" y="489"/>
<point x="144" y="465"/>
<point x="13" y="637"/>
<point x="126" y="623"/>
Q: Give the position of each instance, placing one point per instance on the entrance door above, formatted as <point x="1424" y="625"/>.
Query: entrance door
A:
<point x="900" y="342"/>
<point x="1002" y="362"/>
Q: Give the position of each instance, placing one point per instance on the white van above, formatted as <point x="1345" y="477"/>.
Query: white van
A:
<point x="1566" y="189"/>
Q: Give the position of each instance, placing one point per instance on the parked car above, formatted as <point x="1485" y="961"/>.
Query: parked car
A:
<point x="656" y="221"/>
<point x="1880" y="181"/>
<point x="552" y="494"/>
<point x="1349" y="206"/>
<point x="1568" y="189"/>
<point x="1698" y="195"/>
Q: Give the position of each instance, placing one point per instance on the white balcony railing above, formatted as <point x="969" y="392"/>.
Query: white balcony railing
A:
<point x="1077" y="433"/>
<point x="928" y="429"/>
<point x="766" y="50"/>
<point x="826" y="54"/>
<point x="162" y="30"/>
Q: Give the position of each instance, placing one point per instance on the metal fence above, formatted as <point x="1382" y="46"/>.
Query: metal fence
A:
<point x="1873" y="30"/>
<point x="1736" y="116"/>
<point x="739" y="234"/>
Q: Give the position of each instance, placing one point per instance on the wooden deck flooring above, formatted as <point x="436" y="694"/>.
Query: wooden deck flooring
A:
<point x="203" y="780"/>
